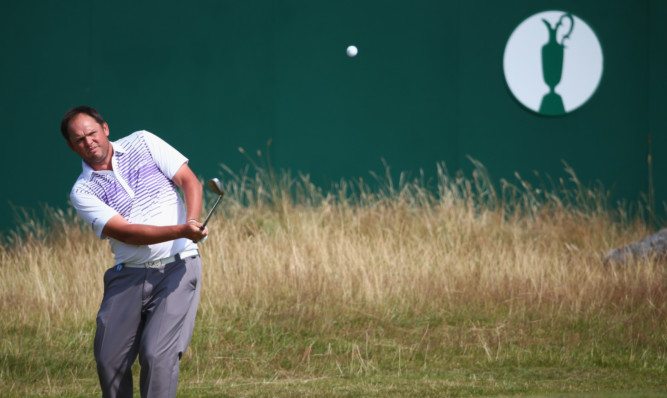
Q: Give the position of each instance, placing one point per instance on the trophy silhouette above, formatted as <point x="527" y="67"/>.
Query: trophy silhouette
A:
<point x="552" y="66"/>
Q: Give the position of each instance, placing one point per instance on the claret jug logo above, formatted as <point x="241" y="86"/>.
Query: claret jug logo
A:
<point x="553" y="63"/>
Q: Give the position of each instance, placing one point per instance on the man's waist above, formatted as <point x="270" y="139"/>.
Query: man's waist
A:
<point x="163" y="261"/>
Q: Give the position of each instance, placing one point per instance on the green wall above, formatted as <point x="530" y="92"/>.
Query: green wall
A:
<point x="427" y="86"/>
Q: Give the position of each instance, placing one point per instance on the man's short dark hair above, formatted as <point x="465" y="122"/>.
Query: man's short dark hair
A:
<point x="87" y="110"/>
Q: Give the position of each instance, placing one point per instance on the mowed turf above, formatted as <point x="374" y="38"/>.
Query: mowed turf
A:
<point x="464" y="288"/>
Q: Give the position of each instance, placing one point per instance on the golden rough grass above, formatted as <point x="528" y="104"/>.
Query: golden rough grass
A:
<point x="420" y="257"/>
<point x="336" y="255"/>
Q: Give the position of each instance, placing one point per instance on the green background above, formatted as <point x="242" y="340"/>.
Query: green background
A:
<point x="427" y="87"/>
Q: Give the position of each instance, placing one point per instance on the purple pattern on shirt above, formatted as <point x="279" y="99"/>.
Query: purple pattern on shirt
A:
<point x="152" y="189"/>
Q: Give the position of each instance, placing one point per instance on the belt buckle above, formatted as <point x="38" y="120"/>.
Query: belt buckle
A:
<point x="153" y="264"/>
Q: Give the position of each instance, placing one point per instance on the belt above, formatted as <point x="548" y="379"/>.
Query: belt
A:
<point x="163" y="261"/>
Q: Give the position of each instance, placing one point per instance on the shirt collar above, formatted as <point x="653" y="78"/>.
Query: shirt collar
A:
<point x="88" y="171"/>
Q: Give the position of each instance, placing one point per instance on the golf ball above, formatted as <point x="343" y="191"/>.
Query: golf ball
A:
<point x="352" y="51"/>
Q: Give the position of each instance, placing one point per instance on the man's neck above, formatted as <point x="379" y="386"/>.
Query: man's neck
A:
<point x="106" y="164"/>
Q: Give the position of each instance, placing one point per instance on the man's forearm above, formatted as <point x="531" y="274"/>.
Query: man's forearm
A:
<point x="141" y="234"/>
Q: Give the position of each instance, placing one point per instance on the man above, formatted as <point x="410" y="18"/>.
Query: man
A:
<point x="127" y="193"/>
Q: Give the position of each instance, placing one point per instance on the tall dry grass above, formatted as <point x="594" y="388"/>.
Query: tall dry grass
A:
<point x="281" y="237"/>
<point x="501" y="263"/>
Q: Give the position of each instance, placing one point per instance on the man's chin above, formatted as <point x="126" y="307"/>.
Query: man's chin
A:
<point x="94" y="160"/>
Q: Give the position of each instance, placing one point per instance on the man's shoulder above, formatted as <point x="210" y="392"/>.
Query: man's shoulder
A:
<point x="138" y="142"/>
<point x="83" y="178"/>
<point x="131" y="139"/>
<point x="81" y="185"/>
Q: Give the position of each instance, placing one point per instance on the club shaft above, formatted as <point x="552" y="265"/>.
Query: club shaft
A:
<point x="211" y="212"/>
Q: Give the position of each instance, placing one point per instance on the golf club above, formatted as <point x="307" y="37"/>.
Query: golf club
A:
<point x="216" y="186"/>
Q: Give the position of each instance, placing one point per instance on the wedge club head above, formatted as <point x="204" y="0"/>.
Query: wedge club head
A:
<point x="216" y="186"/>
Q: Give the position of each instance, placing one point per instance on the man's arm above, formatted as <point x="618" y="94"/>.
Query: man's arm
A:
<point x="140" y="234"/>
<point x="192" y="190"/>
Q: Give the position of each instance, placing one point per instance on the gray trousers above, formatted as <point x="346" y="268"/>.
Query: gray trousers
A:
<point x="149" y="312"/>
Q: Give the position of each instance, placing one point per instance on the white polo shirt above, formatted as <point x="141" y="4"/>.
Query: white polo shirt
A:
<point x="140" y="189"/>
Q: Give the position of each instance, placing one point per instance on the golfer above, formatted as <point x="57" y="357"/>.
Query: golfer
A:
<point x="127" y="194"/>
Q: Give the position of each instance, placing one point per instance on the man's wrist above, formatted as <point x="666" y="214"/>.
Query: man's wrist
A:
<point x="193" y="220"/>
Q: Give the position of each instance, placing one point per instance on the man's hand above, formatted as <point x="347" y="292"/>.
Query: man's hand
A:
<point x="194" y="231"/>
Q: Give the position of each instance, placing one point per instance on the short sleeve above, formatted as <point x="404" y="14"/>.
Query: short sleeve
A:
<point x="166" y="157"/>
<point x="93" y="211"/>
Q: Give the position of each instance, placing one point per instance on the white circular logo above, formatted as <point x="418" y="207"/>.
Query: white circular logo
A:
<point x="553" y="63"/>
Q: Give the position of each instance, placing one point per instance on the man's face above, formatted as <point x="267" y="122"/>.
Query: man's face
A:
<point x="90" y="140"/>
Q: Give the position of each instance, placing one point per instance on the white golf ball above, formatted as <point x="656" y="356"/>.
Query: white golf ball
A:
<point x="352" y="51"/>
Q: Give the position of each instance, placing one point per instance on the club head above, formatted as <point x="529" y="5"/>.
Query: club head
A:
<point x="215" y="185"/>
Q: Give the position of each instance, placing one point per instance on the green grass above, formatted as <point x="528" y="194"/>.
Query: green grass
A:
<point x="402" y="355"/>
